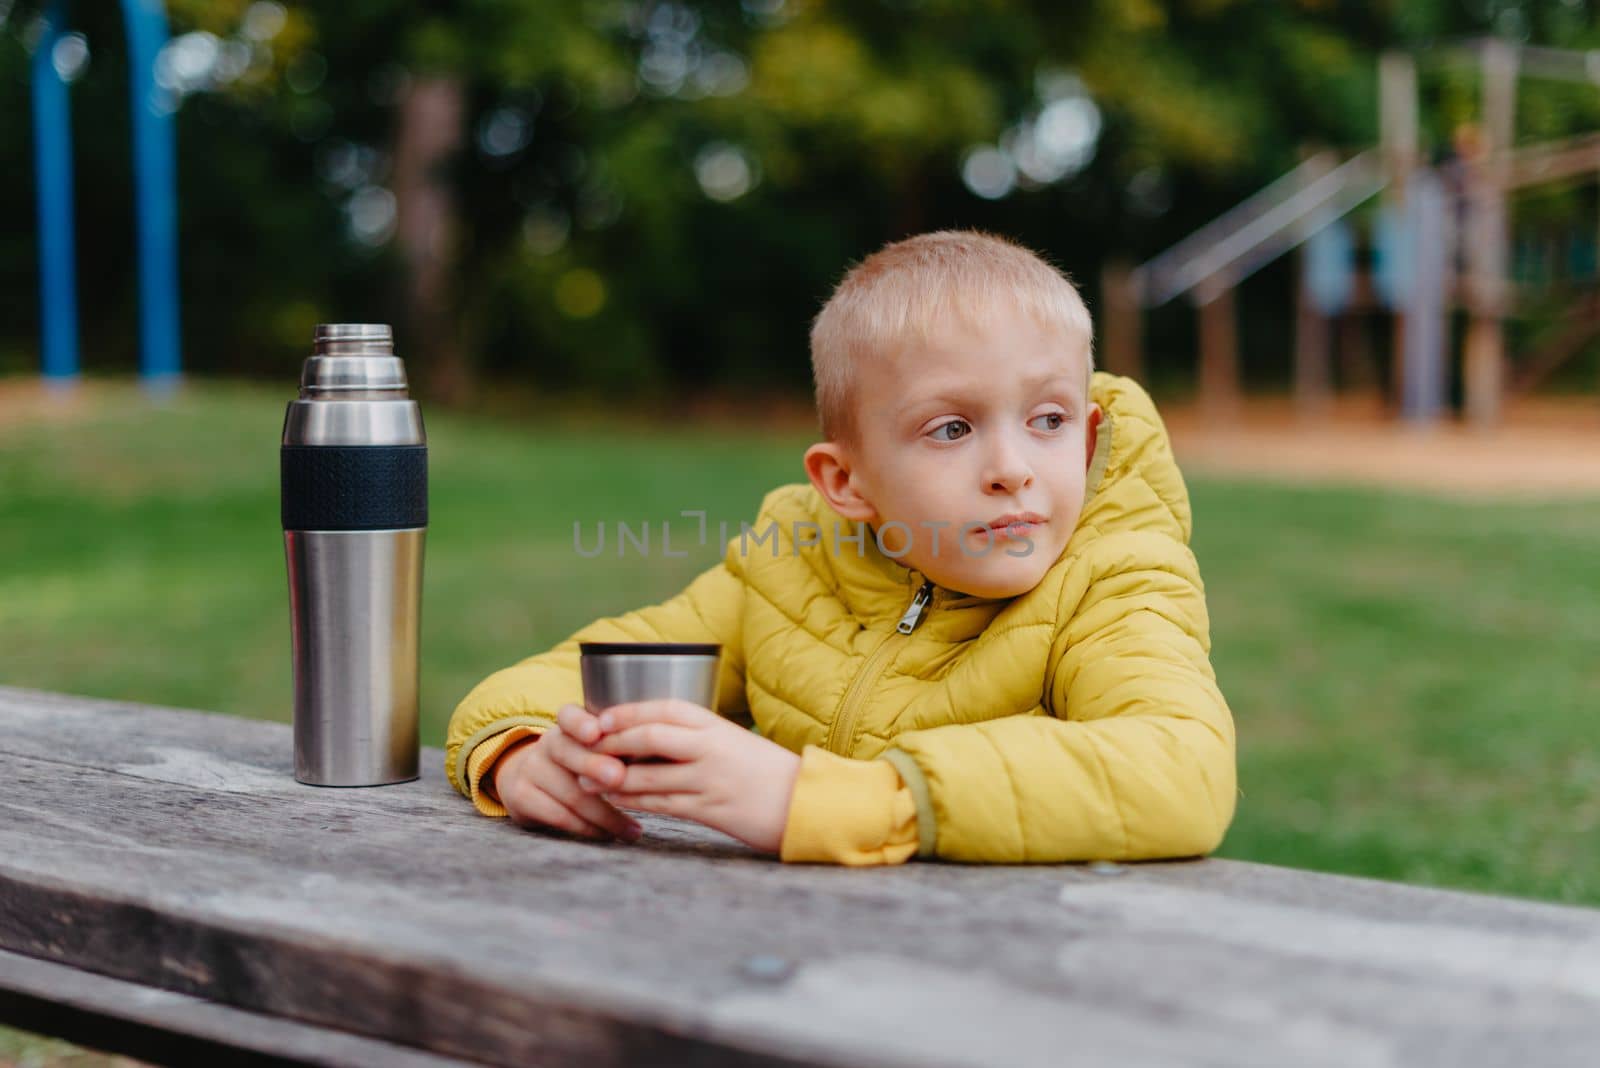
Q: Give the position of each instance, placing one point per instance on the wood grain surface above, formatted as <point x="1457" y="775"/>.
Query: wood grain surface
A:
<point x="174" y="850"/>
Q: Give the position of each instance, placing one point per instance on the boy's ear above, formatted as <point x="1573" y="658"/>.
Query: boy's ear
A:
<point x="828" y="465"/>
<point x="1092" y="437"/>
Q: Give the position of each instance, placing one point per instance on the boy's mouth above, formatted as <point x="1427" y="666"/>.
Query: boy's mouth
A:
<point x="1015" y="524"/>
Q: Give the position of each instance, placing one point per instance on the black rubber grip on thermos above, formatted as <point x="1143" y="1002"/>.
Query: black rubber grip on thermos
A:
<point x="354" y="487"/>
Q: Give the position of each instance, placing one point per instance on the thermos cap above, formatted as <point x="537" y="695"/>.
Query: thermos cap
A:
<point x="353" y="392"/>
<point x="353" y="339"/>
<point x="352" y="357"/>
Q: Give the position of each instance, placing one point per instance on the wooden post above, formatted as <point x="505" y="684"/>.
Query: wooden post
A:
<point x="1357" y="370"/>
<point x="1483" y="371"/>
<point x="1397" y="92"/>
<point x="1219" y="352"/>
<point x="1121" y="345"/>
<point x="1484" y="360"/>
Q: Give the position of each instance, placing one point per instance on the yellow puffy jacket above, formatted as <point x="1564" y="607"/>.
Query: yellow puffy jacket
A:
<point x="1080" y="720"/>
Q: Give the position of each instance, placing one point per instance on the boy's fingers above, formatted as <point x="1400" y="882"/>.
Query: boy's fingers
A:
<point x="577" y="722"/>
<point x="660" y="779"/>
<point x="578" y="760"/>
<point x="681" y="805"/>
<point x="650" y="739"/>
<point x="598" y="811"/>
<point x="667" y="710"/>
<point x="538" y="810"/>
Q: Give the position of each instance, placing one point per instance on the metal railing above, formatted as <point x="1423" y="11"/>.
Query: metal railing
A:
<point x="1258" y="230"/>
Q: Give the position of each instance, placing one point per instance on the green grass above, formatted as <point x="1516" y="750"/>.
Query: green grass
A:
<point x="1413" y="680"/>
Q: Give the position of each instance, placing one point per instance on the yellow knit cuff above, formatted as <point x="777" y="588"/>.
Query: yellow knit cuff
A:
<point x="852" y="812"/>
<point x="482" y="760"/>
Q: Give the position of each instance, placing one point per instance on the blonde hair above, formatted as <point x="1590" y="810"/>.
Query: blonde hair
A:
<point x="907" y="288"/>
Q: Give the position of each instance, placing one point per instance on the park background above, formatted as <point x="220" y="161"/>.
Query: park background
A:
<point x="601" y="229"/>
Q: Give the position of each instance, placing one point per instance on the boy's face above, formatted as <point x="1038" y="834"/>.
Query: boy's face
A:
<point x="975" y="425"/>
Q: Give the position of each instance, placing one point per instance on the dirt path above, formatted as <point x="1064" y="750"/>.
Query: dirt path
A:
<point x="1543" y="448"/>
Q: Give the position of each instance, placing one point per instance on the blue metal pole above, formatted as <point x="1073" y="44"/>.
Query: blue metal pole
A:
<point x="156" y="196"/>
<point x="52" y="166"/>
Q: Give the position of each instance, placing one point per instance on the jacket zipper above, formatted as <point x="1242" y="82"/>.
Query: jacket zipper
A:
<point x="842" y="730"/>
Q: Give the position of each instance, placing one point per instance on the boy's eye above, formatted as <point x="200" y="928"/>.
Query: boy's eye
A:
<point x="1057" y="416"/>
<point x="958" y="428"/>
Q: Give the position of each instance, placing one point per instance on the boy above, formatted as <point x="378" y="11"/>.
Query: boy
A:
<point x="978" y="633"/>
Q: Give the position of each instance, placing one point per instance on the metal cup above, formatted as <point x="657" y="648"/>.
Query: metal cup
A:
<point x="618" y="673"/>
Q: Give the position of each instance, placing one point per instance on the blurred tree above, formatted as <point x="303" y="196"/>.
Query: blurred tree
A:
<point x="635" y="195"/>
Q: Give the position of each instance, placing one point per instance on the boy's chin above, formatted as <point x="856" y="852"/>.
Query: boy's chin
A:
<point x="996" y="581"/>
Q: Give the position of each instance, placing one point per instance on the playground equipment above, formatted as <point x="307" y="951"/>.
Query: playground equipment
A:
<point x="155" y="191"/>
<point x="1441" y="241"/>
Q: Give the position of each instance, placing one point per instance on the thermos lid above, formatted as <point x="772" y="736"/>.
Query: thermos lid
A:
<point x="371" y="333"/>
<point x="350" y="357"/>
<point x="353" y="392"/>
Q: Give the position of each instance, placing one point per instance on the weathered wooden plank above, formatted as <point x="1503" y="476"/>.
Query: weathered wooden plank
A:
<point x="162" y="1027"/>
<point x="173" y="849"/>
<point x="223" y="753"/>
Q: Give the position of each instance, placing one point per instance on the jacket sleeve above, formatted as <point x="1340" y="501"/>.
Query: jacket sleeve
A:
<point x="851" y="812"/>
<point x="1130" y="754"/>
<point x="529" y="693"/>
<point x="480" y="767"/>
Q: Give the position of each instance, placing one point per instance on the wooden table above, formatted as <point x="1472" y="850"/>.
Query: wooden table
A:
<point x="167" y="889"/>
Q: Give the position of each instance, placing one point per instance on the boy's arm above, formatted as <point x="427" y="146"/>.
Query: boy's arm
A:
<point x="1141" y="765"/>
<point x="528" y="693"/>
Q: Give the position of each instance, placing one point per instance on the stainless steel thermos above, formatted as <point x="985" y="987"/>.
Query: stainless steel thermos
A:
<point x="354" y="475"/>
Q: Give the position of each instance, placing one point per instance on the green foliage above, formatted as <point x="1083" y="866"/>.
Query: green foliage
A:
<point x="589" y="255"/>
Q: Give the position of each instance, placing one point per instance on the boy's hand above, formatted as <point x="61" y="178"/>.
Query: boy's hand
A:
<point x="538" y="781"/>
<point x="717" y="772"/>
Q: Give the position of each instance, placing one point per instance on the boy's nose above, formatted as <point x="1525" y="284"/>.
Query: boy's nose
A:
<point x="1007" y="473"/>
<point x="1011" y="482"/>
